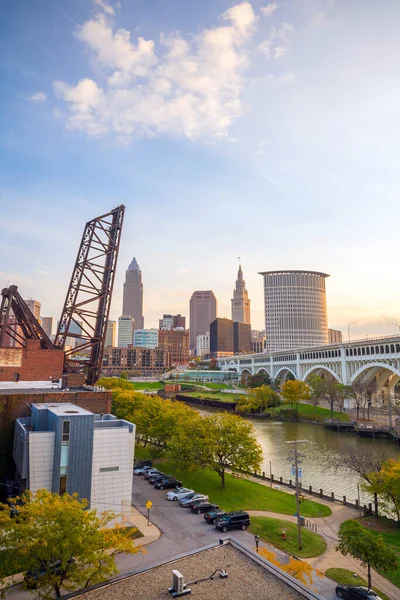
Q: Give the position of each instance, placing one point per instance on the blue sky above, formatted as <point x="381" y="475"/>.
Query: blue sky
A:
<point x="268" y="131"/>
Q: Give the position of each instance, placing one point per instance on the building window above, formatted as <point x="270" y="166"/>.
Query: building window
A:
<point x="63" y="484"/>
<point x="107" y="469"/>
<point x="65" y="431"/>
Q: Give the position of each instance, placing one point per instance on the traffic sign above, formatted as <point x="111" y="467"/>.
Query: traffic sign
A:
<point x="149" y="504"/>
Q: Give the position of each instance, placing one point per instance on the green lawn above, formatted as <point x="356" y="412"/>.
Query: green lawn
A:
<point x="270" y="530"/>
<point x="390" y="533"/>
<point x="244" y="494"/>
<point x="349" y="578"/>
<point x="225" y="397"/>
<point x="147" y="453"/>
<point x="131" y="532"/>
<point x="147" y="385"/>
<point x="308" y="409"/>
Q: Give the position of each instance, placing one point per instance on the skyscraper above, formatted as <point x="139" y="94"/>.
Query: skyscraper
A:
<point x="295" y="309"/>
<point x="240" y="300"/>
<point x="47" y="324"/>
<point x="203" y="310"/>
<point x="133" y="294"/>
<point x="34" y="307"/>
<point x="126" y="327"/>
<point x="111" y="334"/>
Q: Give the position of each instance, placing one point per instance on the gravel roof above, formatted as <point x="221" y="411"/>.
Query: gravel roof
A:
<point x="246" y="579"/>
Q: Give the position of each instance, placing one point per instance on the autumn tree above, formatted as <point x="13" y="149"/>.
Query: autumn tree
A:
<point x="368" y="547"/>
<point x="294" y="391"/>
<point x="258" y="380"/>
<point x="46" y="530"/>
<point x="218" y="441"/>
<point x="317" y="389"/>
<point x="299" y="569"/>
<point x="385" y="483"/>
<point x="362" y="394"/>
<point x="257" y="400"/>
<point x="367" y="464"/>
<point x="336" y="392"/>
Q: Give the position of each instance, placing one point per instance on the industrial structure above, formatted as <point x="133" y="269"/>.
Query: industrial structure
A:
<point x="87" y="306"/>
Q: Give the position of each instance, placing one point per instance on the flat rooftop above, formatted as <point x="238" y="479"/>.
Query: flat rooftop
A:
<point x="63" y="408"/>
<point x="40" y="391"/>
<point x="249" y="576"/>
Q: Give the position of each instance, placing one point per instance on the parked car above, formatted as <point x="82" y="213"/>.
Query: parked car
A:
<point x="194" y="496"/>
<point x="152" y="472"/>
<point x="178" y="493"/>
<point x="202" y="507"/>
<point x="157" y="477"/>
<point x="142" y="463"/>
<point x="234" y="520"/>
<point x="141" y="470"/>
<point x="168" y="483"/>
<point x="211" y="516"/>
<point x="355" y="592"/>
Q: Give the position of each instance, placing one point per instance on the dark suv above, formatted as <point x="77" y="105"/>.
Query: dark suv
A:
<point x="233" y="520"/>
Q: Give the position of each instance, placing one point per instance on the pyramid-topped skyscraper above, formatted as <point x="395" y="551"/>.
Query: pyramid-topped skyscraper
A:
<point x="240" y="300"/>
<point x="133" y="294"/>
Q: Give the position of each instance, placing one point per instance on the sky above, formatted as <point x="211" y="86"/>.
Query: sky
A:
<point x="265" y="131"/>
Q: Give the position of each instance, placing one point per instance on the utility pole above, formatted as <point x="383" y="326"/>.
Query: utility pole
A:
<point x="295" y="458"/>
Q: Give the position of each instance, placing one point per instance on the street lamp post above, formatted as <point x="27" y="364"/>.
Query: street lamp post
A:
<point x="348" y="328"/>
<point x="396" y="325"/>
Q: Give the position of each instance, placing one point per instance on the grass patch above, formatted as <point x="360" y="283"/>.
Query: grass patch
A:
<point x="224" y="397"/>
<point x="308" y="409"/>
<point x="147" y="452"/>
<point x="244" y="494"/>
<point x="270" y="530"/>
<point x="147" y="385"/>
<point x="346" y="577"/>
<point x="131" y="532"/>
<point x="390" y="532"/>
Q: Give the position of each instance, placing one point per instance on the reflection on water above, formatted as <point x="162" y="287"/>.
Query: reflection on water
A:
<point x="323" y="444"/>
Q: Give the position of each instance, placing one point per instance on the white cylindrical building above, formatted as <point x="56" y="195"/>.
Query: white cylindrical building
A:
<point x="295" y="309"/>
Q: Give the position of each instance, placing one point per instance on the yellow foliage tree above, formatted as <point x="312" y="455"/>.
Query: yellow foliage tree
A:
<point x="299" y="569"/>
<point x="293" y="391"/>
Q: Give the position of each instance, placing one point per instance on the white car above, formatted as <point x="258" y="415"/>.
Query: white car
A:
<point x="142" y="470"/>
<point x="178" y="493"/>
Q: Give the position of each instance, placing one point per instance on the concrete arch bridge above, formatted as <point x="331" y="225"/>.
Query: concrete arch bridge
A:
<point x="348" y="362"/>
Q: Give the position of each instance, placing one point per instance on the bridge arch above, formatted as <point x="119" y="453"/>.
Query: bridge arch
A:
<point x="376" y="366"/>
<point x="265" y="371"/>
<point x="246" y="372"/>
<point x="286" y="371"/>
<point x="318" y="369"/>
<point x="232" y="366"/>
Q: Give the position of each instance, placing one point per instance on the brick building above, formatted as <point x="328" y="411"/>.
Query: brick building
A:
<point x="147" y="361"/>
<point x="176" y="343"/>
<point x="31" y="363"/>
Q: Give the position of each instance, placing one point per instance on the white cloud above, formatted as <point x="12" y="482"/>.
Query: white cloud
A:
<point x="185" y="87"/>
<point x="279" y="51"/>
<point x="268" y="10"/>
<point x="283" y="32"/>
<point x="318" y="21"/>
<point x="106" y="7"/>
<point x="265" y="48"/>
<point x="38" y="97"/>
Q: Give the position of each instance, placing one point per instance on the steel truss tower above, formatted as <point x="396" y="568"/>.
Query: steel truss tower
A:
<point x="88" y="300"/>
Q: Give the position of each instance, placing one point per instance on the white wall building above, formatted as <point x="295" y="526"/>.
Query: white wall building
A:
<point x="126" y="327"/>
<point x="203" y="344"/>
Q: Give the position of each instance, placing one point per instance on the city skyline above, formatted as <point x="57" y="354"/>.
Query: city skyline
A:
<point x="302" y="140"/>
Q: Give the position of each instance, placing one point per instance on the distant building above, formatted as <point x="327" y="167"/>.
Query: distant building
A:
<point x="73" y="338"/>
<point x="172" y="322"/>
<point x="34" y="306"/>
<point x="133" y="294"/>
<point x="47" y="324"/>
<point x="203" y="310"/>
<point x="126" y="326"/>
<point x="65" y="448"/>
<point x="145" y="338"/>
<point x="176" y="343"/>
<point x="30" y="367"/>
<point x="257" y="341"/>
<point x="13" y="336"/>
<point x="111" y="334"/>
<point x="203" y="345"/>
<point x="146" y="361"/>
<point x="335" y="336"/>
<point x="240" y="301"/>
<point x="221" y="337"/>
<point x="295" y="309"/>
<point x="241" y="338"/>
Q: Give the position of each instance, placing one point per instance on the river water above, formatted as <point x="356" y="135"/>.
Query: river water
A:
<point x="322" y="444"/>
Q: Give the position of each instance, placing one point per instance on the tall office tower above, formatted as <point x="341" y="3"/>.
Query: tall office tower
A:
<point x="34" y="307"/>
<point x="203" y="310"/>
<point x="176" y="343"/>
<point x="111" y="334"/>
<point x="47" y="324"/>
<point x="133" y="294"/>
<point x="295" y="309"/>
<point x="145" y="338"/>
<point x="172" y="322"/>
<point x="126" y="327"/>
<point x="335" y="336"/>
<point x="240" y="300"/>
<point x="221" y="337"/>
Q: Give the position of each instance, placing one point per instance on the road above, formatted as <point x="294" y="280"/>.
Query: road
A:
<point x="181" y="532"/>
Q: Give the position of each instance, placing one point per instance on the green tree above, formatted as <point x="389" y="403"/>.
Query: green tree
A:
<point x="123" y="375"/>
<point x="362" y="393"/>
<point x="317" y="389"/>
<point x="46" y="528"/>
<point x="369" y="548"/>
<point x="218" y="441"/>
<point x="257" y="400"/>
<point x="294" y="391"/>
<point x="258" y="380"/>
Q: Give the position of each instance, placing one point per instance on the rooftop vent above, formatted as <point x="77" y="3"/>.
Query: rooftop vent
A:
<point x="71" y="412"/>
<point x="178" y="586"/>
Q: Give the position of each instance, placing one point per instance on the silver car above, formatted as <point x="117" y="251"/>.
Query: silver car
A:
<point x="178" y="493"/>
<point x="192" y="498"/>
